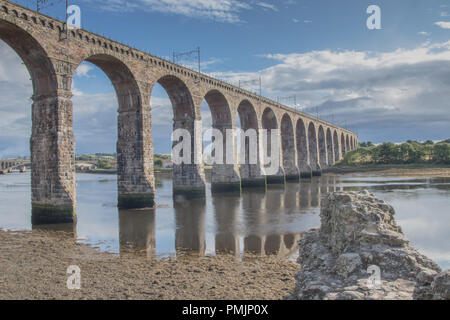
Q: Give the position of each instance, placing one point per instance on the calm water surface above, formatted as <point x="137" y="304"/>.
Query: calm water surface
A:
<point x="266" y="223"/>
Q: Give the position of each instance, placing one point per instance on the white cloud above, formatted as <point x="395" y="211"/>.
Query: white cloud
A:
<point x="267" y="6"/>
<point x="15" y="104"/>
<point x="83" y="70"/>
<point x="443" y="24"/>
<point x="423" y="33"/>
<point x="399" y="94"/>
<point x="162" y="112"/>
<point x="218" y="10"/>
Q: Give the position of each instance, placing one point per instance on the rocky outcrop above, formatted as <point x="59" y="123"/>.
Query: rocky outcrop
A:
<point x="360" y="252"/>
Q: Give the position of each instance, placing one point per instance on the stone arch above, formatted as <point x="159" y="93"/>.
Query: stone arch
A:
<point x="180" y="97"/>
<point x="34" y="56"/>
<point x="220" y="110"/>
<point x="347" y="143"/>
<point x="288" y="149"/>
<point x="51" y="144"/>
<point x="134" y="144"/>
<point x="322" y="147"/>
<point x="269" y="122"/>
<point x="269" y="119"/>
<point x="313" y="146"/>
<point x="124" y="82"/>
<point x="247" y="115"/>
<point x="336" y="146"/>
<point x="251" y="173"/>
<point x="343" y="146"/>
<point x="188" y="178"/>
<point x="224" y="176"/>
<point x="302" y="149"/>
<point x="330" y="151"/>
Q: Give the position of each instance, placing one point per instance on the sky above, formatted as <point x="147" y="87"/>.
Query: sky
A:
<point x="391" y="84"/>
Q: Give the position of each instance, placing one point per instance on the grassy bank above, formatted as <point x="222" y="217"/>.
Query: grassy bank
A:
<point x="409" y="157"/>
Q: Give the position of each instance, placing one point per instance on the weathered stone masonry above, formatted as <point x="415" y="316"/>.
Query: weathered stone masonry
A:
<point x="51" y="55"/>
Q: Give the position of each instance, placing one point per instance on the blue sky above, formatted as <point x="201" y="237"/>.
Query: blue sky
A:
<point x="391" y="84"/>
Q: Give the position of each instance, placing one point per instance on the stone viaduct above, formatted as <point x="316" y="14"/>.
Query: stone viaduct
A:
<point x="7" y="166"/>
<point x="52" y="55"/>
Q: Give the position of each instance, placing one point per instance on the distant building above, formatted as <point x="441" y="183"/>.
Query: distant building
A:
<point x="85" y="166"/>
<point x="167" y="164"/>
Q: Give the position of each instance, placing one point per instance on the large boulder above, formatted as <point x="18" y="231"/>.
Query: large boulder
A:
<point x="360" y="252"/>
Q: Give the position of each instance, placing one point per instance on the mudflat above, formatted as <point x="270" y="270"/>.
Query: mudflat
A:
<point x="34" y="263"/>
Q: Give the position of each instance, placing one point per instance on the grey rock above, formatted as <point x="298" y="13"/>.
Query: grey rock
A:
<point x="346" y="263"/>
<point x="358" y="238"/>
<point x="441" y="286"/>
<point x="426" y="276"/>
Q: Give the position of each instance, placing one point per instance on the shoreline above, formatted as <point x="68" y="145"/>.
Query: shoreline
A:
<point x="34" y="265"/>
<point x="394" y="170"/>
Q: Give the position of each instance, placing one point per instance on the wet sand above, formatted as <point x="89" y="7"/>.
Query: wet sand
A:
<point x="33" y="266"/>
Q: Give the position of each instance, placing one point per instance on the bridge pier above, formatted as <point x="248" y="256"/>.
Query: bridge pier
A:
<point x="252" y="176"/>
<point x="305" y="171"/>
<point x="293" y="177"/>
<point x="291" y="171"/>
<point x="316" y="170"/>
<point x="135" y="176"/>
<point x="278" y="178"/>
<point x="288" y="150"/>
<point x="225" y="177"/>
<point x="52" y="160"/>
<point x="189" y="178"/>
<point x="250" y="158"/>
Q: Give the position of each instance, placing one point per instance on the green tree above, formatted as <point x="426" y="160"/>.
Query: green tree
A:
<point x="441" y="153"/>
<point x="103" y="164"/>
<point x="387" y="153"/>
<point x="158" y="163"/>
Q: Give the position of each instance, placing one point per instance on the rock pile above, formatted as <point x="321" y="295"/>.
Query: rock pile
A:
<point x="360" y="252"/>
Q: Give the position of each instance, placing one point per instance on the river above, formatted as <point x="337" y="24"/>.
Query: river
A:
<point x="265" y="223"/>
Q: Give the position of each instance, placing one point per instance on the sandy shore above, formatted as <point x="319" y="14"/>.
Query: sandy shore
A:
<point x="33" y="266"/>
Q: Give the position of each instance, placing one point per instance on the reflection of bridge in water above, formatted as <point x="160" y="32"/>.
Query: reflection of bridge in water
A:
<point x="256" y="223"/>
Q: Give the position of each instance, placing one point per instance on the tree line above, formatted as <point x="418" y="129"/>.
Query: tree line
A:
<point x="410" y="152"/>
